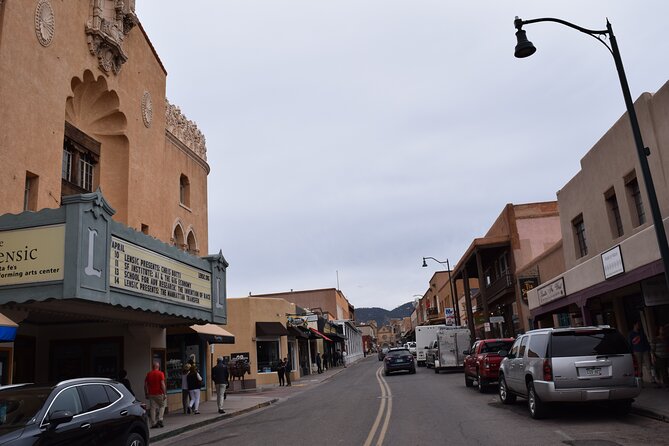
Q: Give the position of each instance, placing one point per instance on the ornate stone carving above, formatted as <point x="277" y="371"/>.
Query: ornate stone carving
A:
<point x="108" y="23"/>
<point x="45" y="22"/>
<point x="184" y="130"/>
<point x="147" y="109"/>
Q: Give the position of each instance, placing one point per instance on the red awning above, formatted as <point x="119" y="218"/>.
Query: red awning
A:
<point x="318" y="333"/>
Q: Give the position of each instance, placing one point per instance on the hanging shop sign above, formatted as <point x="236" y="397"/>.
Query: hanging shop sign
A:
<point x="612" y="262"/>
<point x="526" y="284"/>
<point x="137" y="269"/>
<point x="32" y="255"/>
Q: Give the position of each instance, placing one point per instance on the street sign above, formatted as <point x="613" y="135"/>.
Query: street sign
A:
<point x="496" y="319"/>
<point x="487" y="326"/>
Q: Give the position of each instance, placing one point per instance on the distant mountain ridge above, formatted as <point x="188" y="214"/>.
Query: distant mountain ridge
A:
<point x="381" y="315"/>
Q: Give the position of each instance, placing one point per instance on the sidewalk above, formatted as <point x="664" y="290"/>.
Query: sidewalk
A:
<point x="236" y="404"/>
<point x="653" y="403"/>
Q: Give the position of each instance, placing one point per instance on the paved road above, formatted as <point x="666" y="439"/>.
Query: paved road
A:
<point x="361" y="407"/>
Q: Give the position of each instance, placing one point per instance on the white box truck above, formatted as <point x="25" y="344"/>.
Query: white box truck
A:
<point x="446" y="351"/>
<point x="425" y="334"/>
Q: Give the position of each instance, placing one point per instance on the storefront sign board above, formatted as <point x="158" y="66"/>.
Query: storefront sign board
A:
<point x="551" y="291"/>
<point x="137" y="269"/>
<point x="612" y="262"/>
<point x="32" y="255"/>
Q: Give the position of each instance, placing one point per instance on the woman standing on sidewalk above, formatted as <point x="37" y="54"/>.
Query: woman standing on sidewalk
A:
<point x="660" y="354"/>
<point x="194" y="383"/>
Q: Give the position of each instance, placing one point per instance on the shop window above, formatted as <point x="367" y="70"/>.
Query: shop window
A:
<point x="268" y="355"/>
<point x="634" y="200"/>
<point x="30" y="192"/>
<point x="578" y="227"/>
<point x="81" y="155"/>
<point x="613" y="211"/>
<point x="184" y="191"/>
<point x="180" y="347"/>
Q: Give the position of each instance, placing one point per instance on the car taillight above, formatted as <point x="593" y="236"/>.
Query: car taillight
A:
<point x="636" y="367"/>
<point x="548" y="370"/>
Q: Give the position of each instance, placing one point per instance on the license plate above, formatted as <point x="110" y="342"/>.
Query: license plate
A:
<point x="593" y="371"/>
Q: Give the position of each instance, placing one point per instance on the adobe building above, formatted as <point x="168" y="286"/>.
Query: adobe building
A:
<point x="104" y="199"/>
<point x="326" y="300"/>
<point x="612" y="273"/>
<point x="520" y="233"/>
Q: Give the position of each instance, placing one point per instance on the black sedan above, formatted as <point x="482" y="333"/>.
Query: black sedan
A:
<point x="85" y="411"/>
<point x="399" y="359"/>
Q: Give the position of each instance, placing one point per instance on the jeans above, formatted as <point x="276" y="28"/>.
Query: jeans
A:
<point x="194" y="399"/>
<point x="184" y="399"/>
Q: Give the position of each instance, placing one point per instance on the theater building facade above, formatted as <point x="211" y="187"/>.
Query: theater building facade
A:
<point x="103" y="201"/>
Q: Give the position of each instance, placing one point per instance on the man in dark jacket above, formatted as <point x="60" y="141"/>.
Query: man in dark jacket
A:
<point x="219" y="374"/>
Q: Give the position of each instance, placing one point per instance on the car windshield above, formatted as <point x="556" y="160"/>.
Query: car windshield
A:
<point x="399" y="352"/>
<point x="588" y="343"/>
<point x="18" y="406"/>
<point x="495" y="346"/>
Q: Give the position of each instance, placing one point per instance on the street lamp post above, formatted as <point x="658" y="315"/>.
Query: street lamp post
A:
<point x="454" y="299"/>
<point x="525" y="48"/>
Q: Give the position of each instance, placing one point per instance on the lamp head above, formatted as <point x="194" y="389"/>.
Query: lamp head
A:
<point x="524" y="48"/>
<point x="424" y="263"/>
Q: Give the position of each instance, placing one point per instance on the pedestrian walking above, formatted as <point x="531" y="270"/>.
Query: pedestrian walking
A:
<point x="219" y="374"/>
<point x="640" y="348"/>
<point x="326" y="360"/>
<point x="156" y="392"/>
<point x="123" y="379"/>
<point x="289" y="368"/>
<point x="194" y="383"/>
<point x="281" y="371"/>
<point x="659" y="355"/>
<point x="318" y="362"/>
<point x="185" y="398"/>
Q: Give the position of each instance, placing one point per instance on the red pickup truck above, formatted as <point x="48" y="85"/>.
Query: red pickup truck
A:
<point x="482" y="362"/>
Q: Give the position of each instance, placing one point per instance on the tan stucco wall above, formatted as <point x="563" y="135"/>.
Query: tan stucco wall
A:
<point x="138" y="170"/>
<point x="604" y="166"/>
<point x="329" y="300"/>
<point x="243" y="313"/>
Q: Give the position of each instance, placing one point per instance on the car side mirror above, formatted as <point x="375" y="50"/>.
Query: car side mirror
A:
<point x="60" y="417"/>
<point x="503" y="353"/>
<point x="465" y="352"/>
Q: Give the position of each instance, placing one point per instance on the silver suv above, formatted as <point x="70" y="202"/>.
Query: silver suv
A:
<point x="576" y="364"/>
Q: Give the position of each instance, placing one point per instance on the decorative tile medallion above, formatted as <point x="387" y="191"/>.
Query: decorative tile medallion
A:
<point x="45" y="22"/>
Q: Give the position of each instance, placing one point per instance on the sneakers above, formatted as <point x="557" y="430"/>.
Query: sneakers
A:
<point x="221" y="411"/>
<point x="160" y="424"/>
<point x="187" y="410"/>
<point x="196" y="412"/>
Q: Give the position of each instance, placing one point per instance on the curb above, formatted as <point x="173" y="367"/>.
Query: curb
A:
<point x="648" y="413"/>
<point x="202" y="423"/>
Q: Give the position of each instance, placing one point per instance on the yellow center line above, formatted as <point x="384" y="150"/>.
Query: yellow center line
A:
<point x="382" y="407"/>
<point x="389" y="410"/>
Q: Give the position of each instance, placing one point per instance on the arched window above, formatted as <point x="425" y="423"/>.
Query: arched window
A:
<point x="178" y="237"/>
<point x="192" y="244"/>
<point x="184" y="190"/>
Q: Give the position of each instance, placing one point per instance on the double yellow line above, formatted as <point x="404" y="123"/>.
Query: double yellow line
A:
<point x="385" y="408"/>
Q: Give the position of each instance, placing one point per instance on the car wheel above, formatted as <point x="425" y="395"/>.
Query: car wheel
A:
<point x="134" y="439"/>
<point x="468" y="381"/>
<point x="504" y="396"/>
<point x="538" y="408"/>
<point x="481" y="385"/>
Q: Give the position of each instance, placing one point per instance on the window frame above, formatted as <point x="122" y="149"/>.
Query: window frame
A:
<point x="636" y="206"/>
<point x="580" y="240"/>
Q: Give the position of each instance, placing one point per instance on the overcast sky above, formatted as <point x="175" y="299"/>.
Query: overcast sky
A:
<point x="359" y="136"/>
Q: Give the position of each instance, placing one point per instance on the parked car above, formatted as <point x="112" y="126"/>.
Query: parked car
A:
<point x="399" y="359"/>
<point x="482" y="362"/>
<point x="382" y="353"/>
<point x="580" y="364"/>
<point x="77" y="411"/>
<point x="412" y="347"/>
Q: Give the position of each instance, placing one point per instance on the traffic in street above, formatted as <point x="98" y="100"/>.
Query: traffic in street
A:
<point x="362" y="406"/>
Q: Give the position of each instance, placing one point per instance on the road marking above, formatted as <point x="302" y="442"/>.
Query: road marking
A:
<point x="386" y="395"/>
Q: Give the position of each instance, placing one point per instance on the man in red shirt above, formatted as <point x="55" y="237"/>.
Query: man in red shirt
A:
<point x="156" y="392"/>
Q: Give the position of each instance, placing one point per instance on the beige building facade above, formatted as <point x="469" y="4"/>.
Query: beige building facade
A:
<point x="612" y="269"/>
<point x="90" y="145"/>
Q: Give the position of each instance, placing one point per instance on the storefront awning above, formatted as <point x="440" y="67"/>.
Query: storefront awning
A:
<point x="298" y="332"/>
<point x="7" y="329"/>
<point x="319" y="334"/>
<point x="337" y="337"/>
<point x="270" y="329"/>
<point x="213" y="334"/>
